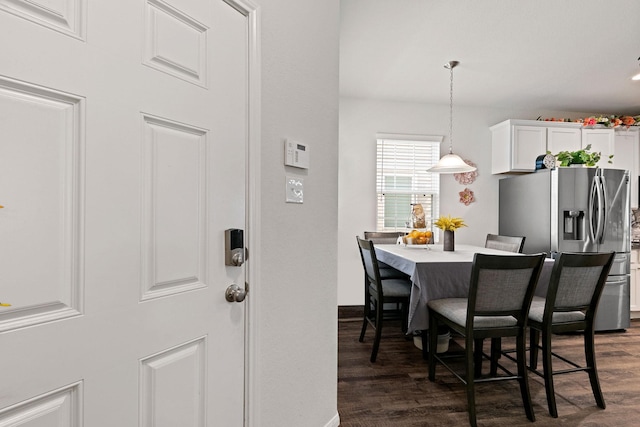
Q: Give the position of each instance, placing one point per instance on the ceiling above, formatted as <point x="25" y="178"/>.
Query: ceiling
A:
<point x="569" y="55"/>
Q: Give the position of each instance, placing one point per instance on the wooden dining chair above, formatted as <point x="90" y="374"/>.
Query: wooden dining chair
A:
<point x="386" y="238"/>
<point x="500" y="294"/>
<point x="577" y="282"/>
<point x="385" y="298"/>
<point x="513" y="244"/>
<point x="505" y="243"/>
<point x="383" y="237"/>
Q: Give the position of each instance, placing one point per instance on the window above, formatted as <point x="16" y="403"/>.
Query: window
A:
<point x="402" y="179"/>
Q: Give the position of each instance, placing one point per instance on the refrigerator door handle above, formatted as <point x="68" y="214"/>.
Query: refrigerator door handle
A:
<point x="602" y="208"/>
<point x="592" y="209"/>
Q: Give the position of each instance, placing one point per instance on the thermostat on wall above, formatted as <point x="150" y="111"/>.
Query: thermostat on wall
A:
<point x="296" y="154"/>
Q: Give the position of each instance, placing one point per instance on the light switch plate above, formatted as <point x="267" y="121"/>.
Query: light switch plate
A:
<point x="294" y="189"/>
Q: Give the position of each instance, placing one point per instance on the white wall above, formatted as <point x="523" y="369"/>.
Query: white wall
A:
<point x="296" y="324"/>
<point x="360" y="120"/>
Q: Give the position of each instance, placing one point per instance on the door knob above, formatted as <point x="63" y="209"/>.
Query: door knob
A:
<point x="235" y="293"/>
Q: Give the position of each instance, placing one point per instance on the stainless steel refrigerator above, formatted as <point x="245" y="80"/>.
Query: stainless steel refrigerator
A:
<point x="575" y="210"/>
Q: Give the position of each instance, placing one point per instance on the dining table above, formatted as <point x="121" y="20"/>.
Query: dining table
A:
<point x="437" y="274"/>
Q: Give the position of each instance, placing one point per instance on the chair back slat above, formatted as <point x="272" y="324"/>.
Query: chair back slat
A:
<point x="505" y="243"/>
<point x="502" y="290"/>
<point x="502" y="285"/>
<point x="577" y="281"/>
<point x="370" y="263"/>
<point x="383" y="237"/>
<point x="576" y="286"/>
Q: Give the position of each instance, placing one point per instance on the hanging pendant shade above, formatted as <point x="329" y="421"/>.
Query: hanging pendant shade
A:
<point x="637" y="76"/>
<point x="451" y="163"/>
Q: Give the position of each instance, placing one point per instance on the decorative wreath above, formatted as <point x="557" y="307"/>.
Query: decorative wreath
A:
<point x="467" y="197"/>
<point x="467" y="178"/>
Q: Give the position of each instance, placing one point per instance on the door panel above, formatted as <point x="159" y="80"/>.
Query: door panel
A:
<point x="40" y="222"/>
<point x="66" y="16"/>
<point x="123" y="161"/>
<point x="174" y="217"/>
<point x="175" y="43"/>
<point x="172" y="376"/>
<point x="60" y="408"/>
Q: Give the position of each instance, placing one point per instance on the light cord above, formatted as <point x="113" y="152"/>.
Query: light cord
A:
<point x="451" y="112"/>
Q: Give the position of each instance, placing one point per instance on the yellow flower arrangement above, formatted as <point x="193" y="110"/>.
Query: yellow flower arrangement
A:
<point x="449" y="223"/>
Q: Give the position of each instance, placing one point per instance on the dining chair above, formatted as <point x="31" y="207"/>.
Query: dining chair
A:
<point x="386" y="238"/>
<point x="383" y="237"/>
<point x="505" y="243"/>
<point x="576" y="284"/>
<point x="385" y="298"/>
<point x="509" y="244"/>
<point x="500" y="293"/>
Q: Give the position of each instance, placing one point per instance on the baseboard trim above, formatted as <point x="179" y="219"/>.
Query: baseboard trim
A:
<point x="334" y="422"/>
<point x="348" y="313"/>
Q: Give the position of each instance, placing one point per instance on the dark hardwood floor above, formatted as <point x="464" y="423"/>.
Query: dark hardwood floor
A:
<point x="395" y="391"/>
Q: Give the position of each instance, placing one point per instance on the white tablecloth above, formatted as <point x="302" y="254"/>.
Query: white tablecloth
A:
<point x="438" y="274"/>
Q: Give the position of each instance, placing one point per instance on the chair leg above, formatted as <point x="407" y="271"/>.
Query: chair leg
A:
<point x="496" y="353"/>
<point x="433" y="344"/>
<point x="522" y="376"/>
<point x="365" y="322"/>
<point x="590" y="357"/>
<point x="534" y="339"/>
<point x="470" y="372"/>
<point x="379" y="322"/>
<point x="548" y="373"/>
<point x="367" y="311"/>
<point x="477" y="357"/>
<point x="405" y="317"/>
<point x="425" y="344"/>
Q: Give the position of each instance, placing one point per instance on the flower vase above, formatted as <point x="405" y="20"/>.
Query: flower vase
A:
<point x="449" y="241"/>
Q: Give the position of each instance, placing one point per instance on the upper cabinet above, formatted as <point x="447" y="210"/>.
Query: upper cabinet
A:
<point x="563" y="139"/>
<point x="515" y="144"/>
<point x="627" y="156"/>
<point x="603" y="141"/>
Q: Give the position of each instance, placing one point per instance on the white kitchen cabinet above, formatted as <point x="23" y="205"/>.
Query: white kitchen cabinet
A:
<point x="627" y="156"/>
<point x="563" y="139"/>
<point x="516" y="144"/>
<point x="601" y="140"/>
<point x="635" y="285"/>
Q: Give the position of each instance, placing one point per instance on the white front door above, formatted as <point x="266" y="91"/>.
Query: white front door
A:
<point x="123" y="147"/>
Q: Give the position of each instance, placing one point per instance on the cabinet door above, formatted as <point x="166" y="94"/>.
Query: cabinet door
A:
<point x="634" y="284"/>
<point x="626" y="156"/>
<point x="528" y="143"/>
<point x="634" y="307"/>
<point x="563" y="139"/>
<point x="601" y="140"/>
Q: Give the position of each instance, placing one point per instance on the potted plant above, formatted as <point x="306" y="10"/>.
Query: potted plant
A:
<point x="449" y="224"/>
<point x="579" y="157"/>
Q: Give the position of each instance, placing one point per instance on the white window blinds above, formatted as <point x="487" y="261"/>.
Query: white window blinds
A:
<point x="402" y="180"/>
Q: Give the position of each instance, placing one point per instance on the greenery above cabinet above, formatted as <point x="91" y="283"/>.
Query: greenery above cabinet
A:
<point x="584" y="156"/>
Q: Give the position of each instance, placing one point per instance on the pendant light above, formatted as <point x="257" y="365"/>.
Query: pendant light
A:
<point x="637" y="76"/>
<point x="451" y="163"/>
